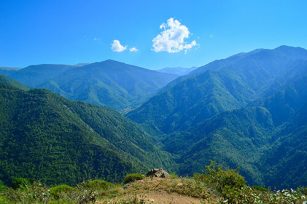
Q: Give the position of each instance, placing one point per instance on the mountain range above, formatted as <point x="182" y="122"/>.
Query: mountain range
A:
<point x="247" y="111"/>
<point x="109" y="83"/>
<point x="237" y="111"/>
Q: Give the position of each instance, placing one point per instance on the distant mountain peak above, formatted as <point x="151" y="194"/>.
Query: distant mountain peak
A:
<point x="283" y="47"/>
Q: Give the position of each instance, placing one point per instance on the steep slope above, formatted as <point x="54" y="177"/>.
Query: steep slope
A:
<point x="235" y="139"/>
<point x="285" y="162"/>
<point x="109" y="83"/>
<point x="48" y="138"/>
<point x="266" y="139"/>
<point x="222" y="85"/>
<point x="8" y="83"/>
<point x="240" y="112"/>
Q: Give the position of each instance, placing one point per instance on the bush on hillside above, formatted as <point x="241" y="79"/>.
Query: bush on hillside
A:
<point x="2" y="186"/>
<point x="133" y="177"/>
<point x="61" y="190"/>
<point x="303" y="190"/>
<point x="260" y="188"/>
<point x="21" y="182"/>
<point x="228" y="182"/>
<point x="30" y="193"/>
<point x="96" y="184"/>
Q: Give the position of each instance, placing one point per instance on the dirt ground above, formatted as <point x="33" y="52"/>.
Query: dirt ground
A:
<point x="160" y="191"/>
<point x="170" y="198"/>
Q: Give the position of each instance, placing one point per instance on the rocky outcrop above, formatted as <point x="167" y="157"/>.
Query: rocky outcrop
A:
<point x="159" y="173"/>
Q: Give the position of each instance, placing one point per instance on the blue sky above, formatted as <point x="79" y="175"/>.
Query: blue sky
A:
<point x="78" y="31"/>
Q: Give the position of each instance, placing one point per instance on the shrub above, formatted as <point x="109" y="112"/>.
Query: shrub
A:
<point x="3" y="200"/>
<point x="21" y="182"/>
<point x="173" y="175"/>
<point x="97" y="184"/>
<point x="303" y="190"/>
<point x="61" y="190"/>
<point x="33" y="193"/>
<point x="260" y="188"/>
<point x="133" y="177"/>
<point x="2" y="186"/>
<point x="224" y="178"/>
<point x="228" y="182"/>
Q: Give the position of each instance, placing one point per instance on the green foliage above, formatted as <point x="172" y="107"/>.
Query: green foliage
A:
<point x="260" y="188"/>
<point x="221" y="178"/>
<point x="232" y="187"/>
<point x="206" y="186"/>
<point x="303" y="190"/>
<point x="48" y="138"/>
<point x="60" y="190"/>
<point x="97" y="184"/>
<point x="3" y="200"/>
<point x="227" y="182"/>
<point x="8" y="83"/>
<point x="133" y="177"/>
<point x="2" y="186"/>
<point x="21" y="182"/>
<point x="33" y="193"/>
<point x="173" y="175"/>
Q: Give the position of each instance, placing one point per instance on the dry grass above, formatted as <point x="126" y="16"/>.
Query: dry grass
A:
<point x="158" y="190"/>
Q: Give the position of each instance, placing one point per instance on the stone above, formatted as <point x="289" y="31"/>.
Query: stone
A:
<point x="158" y="173"/>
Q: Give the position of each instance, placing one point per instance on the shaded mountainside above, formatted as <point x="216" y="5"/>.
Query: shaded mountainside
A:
<point x="285" y="163"/>
<point x="244" y="137"/>
<point x="241" y="112"/>
<point x="220" y="86"/>
<point x="109" y="83"/>
<point x="46" y="137"/>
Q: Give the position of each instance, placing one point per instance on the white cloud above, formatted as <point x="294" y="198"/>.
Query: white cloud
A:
<point x="133" y="49"/>
<point x="117" y="47"/>
<point x="173" y="38"/>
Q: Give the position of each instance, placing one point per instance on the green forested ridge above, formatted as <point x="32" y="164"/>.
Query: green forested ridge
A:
<point x="7" y="83"/>
<point x="110" y="83"/>
<point x="247" y="112"/>
<point x="48" y="138"/>
<point x="222" y="85"/>
<point x="240" y="112"/>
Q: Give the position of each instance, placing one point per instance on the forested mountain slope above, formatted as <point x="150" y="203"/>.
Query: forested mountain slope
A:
<point x="46" y="137"/>
<point x="222" y="85"/>
<point x="246" y="111"/>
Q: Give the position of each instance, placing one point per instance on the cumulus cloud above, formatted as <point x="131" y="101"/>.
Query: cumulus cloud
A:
<point x="133" y="49"/>
<point x="117" y="46"/>
<point x="173" y="38"/>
